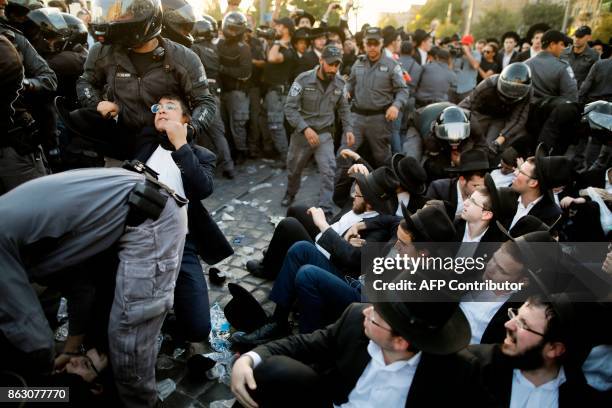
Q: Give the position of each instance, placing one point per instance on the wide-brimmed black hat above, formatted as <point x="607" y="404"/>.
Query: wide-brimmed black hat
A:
<point x="434" y="327"/>
<point x="302" y="33"/>
<point x="551" y="171"/>
<point x="337" y="30"/>
<point x="411" y="175"/>
<point x="429" y="224"/>
<point x="537" y="27"/>
<point x="377" y="187"/>
<point x="243" y="311"/>
<point x="419" y="36"/>
<point x="526" y="225"/>
<point x="496" y="200"/>
<point x="472" y="160"/>
<point x="303" y="14"/>
<point x="317" y="32"/>
<point x="511" y="34"/>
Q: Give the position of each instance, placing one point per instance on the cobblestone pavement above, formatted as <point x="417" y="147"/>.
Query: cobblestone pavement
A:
<point x="245" y="209"/>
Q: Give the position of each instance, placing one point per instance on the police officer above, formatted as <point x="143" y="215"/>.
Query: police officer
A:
<point x="555" y="95"/>
<point x="277" y="78"/>
<point x="132" y="67"/>
<point x="379" y="91"/>
<point x="580" y="56"/>
<point x="256" y="133"/>
<point x="204" y="32"/>
<point x="234" y="70"/>
<point x="310" y="110"/>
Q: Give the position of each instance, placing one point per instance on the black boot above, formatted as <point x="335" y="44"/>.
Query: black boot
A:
<point x="287" y="200"/>
<point x="268" y="332"/>
<point x="256" y="268"/>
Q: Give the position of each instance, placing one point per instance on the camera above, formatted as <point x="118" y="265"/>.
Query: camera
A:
<point x="455" y="51"/>
<point x="266" y="33"/>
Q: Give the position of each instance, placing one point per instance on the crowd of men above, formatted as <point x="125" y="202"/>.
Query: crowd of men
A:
<point x="113" y="121"/>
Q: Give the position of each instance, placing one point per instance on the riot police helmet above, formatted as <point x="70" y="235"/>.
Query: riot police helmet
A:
<point x="514" y="82"/>
<point x="452" y="125"/>
<point x="129" y="23"/>
<point x="78" y="30"/>
<point x="234" y="25"/>
<point x="178" y="22"/>
<point x="204" y="30"/>
<point x="51" y="30"/>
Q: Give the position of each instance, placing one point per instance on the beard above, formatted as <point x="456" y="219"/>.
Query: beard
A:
<point x="359" y="209"/>
<point x="530" y="359"/>
<point x="329" y="76"/>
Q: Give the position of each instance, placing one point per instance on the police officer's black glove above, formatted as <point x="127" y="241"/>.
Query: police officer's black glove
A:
<point x="494" y="148"/>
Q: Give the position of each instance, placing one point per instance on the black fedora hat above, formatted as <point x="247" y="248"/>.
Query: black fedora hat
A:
<point x="434" y="327"/>
<point x="496" y="200"/>
<point x="411" y="175"/>
<point x="302" y="33"/>
<point x="337" y="30"/>
<point x="243" y="311"/>
<point x="317" y="32"/>
<point x="377" y="187"/>
<point x="429" y="224"/>
<point x="472" y="160"/>
<point x="551" y="171"/>
<point x="303" y="14"/>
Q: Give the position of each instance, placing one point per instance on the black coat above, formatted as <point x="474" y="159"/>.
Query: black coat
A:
<point x="197" y="171"/>
<point x="445" y="190"/>
<point x="546" y="210"/>
<point x="308" y="61"/>
<point x="496" y="370"/>
<point x="340" y="354"/>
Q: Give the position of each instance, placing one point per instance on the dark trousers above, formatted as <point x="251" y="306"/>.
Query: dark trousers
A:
<point x="285" y="382"/>
<point x="558" y="127"/>
<point x="287" y="232"/>
<point x="191" y="297"/>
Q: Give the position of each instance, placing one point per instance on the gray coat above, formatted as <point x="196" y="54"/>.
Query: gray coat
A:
<point x="581" y="63"/>
<point x="309" y="105"/>
<point x="110" y="75"/>
<point x="552" y="77"/>
<point x="376" y="86"/>
<point x="436" y="80"/>
<point x="598" y="84"/>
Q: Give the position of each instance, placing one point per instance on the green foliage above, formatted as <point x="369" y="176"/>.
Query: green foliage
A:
<point x="447" y="30"/>
<point x="437" y="9"/>
<point x="495" y="22"/>
<point x="388" y="19"/>
<point x="603" y="29"/>
<point x="542" y="12"/>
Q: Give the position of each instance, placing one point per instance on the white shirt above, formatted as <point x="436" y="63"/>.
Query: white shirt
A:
<point x="527" y="395"/>
<point x="383" y="385"/>
<point x="423" y="56"/>
<point x="506" y="59"/>
<point x="162" y="162"/>
<point x="522" y="211"/>
<point x="343" y="224"/>
<point x="479" y="308"/>
<point x="608" y="185"/>
<point x="403" y="197"/>
<point x="477" y="238"/>
<point x="502" y="180"/>
<point x="459" y="201"/>
<point x="597" y="367"/>
<point x="532" y="52"/>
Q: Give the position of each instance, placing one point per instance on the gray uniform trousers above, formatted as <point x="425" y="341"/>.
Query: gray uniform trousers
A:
<point x="149" y="262"/>
<point x="374" y="129"/>
<point x="275" y="103"/>
<point x="16" y="169"/>
<point x="298" y="157"/>
<point x="236" y="108"/>
<point x="216" y="133"/>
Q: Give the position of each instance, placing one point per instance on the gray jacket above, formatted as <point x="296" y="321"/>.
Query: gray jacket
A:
<point x="378" y="85"/>
<point x="44" y="232"/>
<point x="580" y="63"/>
<point x="309" y="105"/>
<point x="552" y="77"/>
<point x="436" y="80"/>
<point x="110" y="75"/>
<point x="413" y="68"/>
<point x="598" y="84"/>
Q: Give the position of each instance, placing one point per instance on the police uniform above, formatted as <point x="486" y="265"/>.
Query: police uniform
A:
<point x="312" y="105"/>
<point x="374" y="87"/>
<point x="234" y="71"/>
<point x="207" y="52"/>
<point x="580" y="63"/>
<point x="554" y="112"/>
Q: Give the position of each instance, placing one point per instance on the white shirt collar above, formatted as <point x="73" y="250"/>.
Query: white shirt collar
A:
<point x="607" y="184"/>
<point x="551" y="385"/>
<point x="402" y="197"/>
<point x="530" y="205"/>
<point x="466" y="235"/>
<point x="459" y="200"/>
<point x="423" y="56"/>
<point x="376" y="353"/>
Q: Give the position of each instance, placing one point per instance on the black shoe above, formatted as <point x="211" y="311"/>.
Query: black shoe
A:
<point x="256" y="268"/>
<point x="287" y="200"/>
<point x="266" y="333"/>
<point x="229" y="174"/>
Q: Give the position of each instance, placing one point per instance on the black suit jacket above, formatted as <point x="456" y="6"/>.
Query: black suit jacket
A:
<point x="445" y="190"/>
<point x="308" y="61"/>
<point x="546" y="210"/>
<point x="523" y="56"/>
<point x="499" y="58"/>
<point x="197" y="171"/>
<point x="496" y="371"/>
<point x="340" y="354"/>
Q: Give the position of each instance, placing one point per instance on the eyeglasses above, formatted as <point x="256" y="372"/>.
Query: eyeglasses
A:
<point x="166" y="106"/>
<point x="525" y="174"/>
<point x="88" y="361"/>
<point x="374" y="322"/>
<point x="477" y="205"/>
<point x="513" y="313"/>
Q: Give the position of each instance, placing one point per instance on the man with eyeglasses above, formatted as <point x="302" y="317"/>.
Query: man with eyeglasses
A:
<point x="533" y="366"/>
<point x="378" y="90"/>
<point x="311" y="104"/>
<point x="390" y="354"/>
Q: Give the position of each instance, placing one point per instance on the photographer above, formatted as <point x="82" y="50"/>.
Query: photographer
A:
<point x="465" y="65"/>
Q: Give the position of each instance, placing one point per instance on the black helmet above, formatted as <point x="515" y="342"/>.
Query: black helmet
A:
<point x="128" y="22"/>
<point x="204" y="30"/>
<point x="212" y="21"/>
<point x="452" y="125"/>
<point x="178" y="22"/>
<point x="21" y="8"/>
<point x="78" y="30"/>
<point x="514" y="82"/>
<point x="51" y="28"/>
<point x="234" y="25"/>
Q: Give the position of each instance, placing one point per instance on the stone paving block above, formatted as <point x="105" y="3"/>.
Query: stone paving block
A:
<point x="217" y="392"/>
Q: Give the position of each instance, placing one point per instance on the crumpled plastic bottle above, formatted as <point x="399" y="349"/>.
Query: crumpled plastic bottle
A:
<point x="219" y="341"/>
<point x="61" y="333"/>
<point x="165" y="388"/>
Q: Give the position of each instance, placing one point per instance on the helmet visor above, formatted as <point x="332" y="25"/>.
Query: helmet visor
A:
<point x="116" y="11"/>
<point x="181" y="19"/>
<point x="598" y="120"/>
<point x="453" y="132"/>
<point x="512" y="90"/>
<point x="49" y="19"/>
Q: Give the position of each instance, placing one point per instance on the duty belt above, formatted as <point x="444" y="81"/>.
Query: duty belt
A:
<point x="146" y="199"/>
<point x="369" y="112"/>
<point x="326" y="129"/>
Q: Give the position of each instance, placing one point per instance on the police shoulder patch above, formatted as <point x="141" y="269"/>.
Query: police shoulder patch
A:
<point x="384" y="68"/>
<point x="295" y="90"/>
<point x="570" y="71"/>
<point x="397" y="69"/>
